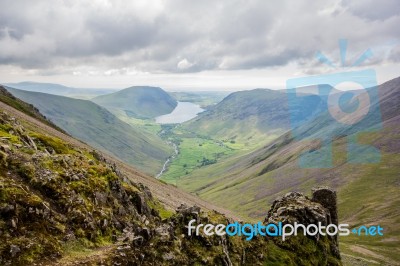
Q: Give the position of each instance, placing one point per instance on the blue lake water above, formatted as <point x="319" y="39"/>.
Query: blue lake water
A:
<point x="184" y="111"/>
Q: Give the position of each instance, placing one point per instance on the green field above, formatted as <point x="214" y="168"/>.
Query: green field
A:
<point x="147" y="125"/>
<point x="194" y="153"/>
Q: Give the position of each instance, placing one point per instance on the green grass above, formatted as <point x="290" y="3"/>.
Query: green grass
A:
<point x="194" y="153"/>
<point x="246" y="117"/>
<point x="372" y="200"/>
<point x="147" y="125"/>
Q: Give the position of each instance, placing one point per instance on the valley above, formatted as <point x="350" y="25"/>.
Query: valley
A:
<point x="240" y="155"/>
<point x="64" y="203"/>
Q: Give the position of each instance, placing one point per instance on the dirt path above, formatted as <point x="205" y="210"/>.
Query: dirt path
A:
<point x="360" y="255"/>
<point x="168" y="194"/>
<point x="96" y="256"/>
<point x="369" y="253"/>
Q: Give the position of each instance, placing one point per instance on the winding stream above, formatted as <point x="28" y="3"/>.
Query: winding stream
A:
<point x="164" y="168"/>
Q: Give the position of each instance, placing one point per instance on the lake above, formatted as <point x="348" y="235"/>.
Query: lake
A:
<point x="184" y="111"/>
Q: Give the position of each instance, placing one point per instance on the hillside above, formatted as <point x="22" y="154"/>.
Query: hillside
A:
<point x="9" y="99"/>
<point x="62" y="203"/>
<point x="139" y="101"/>
<point x="368" y="192"/>
<point x="248" y="116"/>
<point x="98" y="127"/>
<point x="58" y="89"/>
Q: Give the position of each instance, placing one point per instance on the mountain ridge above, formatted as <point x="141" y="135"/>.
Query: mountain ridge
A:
<point x="248" y="116"/>
<point x="58" y="89"/>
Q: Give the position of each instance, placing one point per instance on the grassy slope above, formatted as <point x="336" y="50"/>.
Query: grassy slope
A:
<point x="139" y="102"/>
<point x="368" y="193"/>
<point x="247" y="117"/>
<point x="101" y="129"/>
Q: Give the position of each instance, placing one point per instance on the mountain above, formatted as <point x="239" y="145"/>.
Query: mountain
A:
<point x="139" y="101"/>
<point x="248" y="116"/>
<point x="57" y="89"/>
<point x="96" y="126"/>
<point x="63" y="203"/>
<point x="368" y="191"/>
<point x="205" y="99"/>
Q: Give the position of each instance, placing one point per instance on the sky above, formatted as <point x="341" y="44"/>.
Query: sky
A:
<point x="193" y="45"/>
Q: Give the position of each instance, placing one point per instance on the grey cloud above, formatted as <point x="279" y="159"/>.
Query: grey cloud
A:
<point x="157" y="35"/>
<point x="394" y="54"/>
<point x="374" y="10"/>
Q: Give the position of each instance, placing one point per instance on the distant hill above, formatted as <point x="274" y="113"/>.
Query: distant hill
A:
<point x="96" y="126"/>
<point x="139" y="101"/>
<point x="205" y="99"/>
<point x="57" y="89"/>
<point x="247" y="116"/>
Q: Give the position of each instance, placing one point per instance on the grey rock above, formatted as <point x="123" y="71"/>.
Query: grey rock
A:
<point x="328" y="199"/>
<point x="138" y="241"/>
<point x="5" y="147"/>
<point x="14" y="222"/>
<point x="140" y="204"/>
<point x="168" y="256"/>
<point x="31" y="142"/>
<point x="14" y="250"/>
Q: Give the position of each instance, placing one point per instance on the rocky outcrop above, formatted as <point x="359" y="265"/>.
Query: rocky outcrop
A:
<point x="176" y="247"/>
<point x="52" y="193"/>
<point x="296" y="207"/>
<point x="327" y="198"/>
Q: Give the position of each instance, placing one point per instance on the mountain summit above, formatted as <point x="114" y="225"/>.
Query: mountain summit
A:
<point x="139" y="101"/>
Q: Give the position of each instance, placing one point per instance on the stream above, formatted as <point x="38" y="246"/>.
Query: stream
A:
<point x="165" y="166"/>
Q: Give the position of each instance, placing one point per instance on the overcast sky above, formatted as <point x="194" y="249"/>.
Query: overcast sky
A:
<point x="192" y="45"/>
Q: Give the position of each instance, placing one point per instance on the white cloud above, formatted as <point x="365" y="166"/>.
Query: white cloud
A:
<point x="184" y="64"/>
